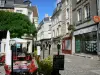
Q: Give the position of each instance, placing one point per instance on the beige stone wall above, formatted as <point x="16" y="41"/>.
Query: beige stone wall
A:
<point x="10" y="10"/>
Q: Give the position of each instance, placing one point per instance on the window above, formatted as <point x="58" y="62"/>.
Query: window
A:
<point x="53" y="33"/>
<point x="59" y="30"/>
<point x="19" y="11"/>
<point x="86" y="11"/>
<point x="67" y="14"/>
<point x="49" y="27"/>
<point x="1" y="3"/>
<point x="79" y="15"/>
<point x="68" y="44"/>
<point x="67" y="2"/>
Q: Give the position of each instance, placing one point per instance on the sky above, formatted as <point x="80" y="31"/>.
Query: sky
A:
<point x="44" y="7"/>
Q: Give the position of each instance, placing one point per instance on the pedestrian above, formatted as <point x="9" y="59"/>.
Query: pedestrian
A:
<point x="99" y="55"/>
<point x="49" y="48"/>
<point x="38" y="51"/>
<point x="41" y="47"/>
<point x="58" y="47"/>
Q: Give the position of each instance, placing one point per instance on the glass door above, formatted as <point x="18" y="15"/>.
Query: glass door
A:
<point x="77" y="44"/>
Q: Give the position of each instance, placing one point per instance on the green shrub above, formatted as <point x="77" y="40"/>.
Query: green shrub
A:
<point x="35" y="53"/>
<point x="45" y="66"/>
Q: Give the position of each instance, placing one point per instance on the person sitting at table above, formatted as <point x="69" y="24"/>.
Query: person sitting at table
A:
<point x="32" y="68"/>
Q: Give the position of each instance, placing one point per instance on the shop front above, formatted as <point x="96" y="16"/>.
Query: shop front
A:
<point x="67" y="45"/>
<point x="86" y="40"/>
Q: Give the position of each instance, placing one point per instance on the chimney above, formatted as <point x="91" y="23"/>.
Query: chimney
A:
<point x="46" y="15"/>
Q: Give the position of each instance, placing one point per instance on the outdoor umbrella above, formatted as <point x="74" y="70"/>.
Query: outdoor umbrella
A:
<point x="19" y="40"/>
<point x="8" y="50"/>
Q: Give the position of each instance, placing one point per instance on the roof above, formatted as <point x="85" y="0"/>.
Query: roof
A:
<point x="57" y="9"/>
<point x="46" y="18"/>
<point x="18" y="1"/>
<point x="35" y="11"/>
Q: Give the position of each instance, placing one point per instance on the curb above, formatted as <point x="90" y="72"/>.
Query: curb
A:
<point x="85" y="56"/>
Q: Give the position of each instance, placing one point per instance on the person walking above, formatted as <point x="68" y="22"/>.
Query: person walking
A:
<point x="58" y="47"/>
<point x="38" y="50"/>
<point x="49" y="48"/>
<point x="99" y="55"/>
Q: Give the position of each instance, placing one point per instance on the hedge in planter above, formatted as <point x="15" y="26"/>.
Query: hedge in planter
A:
<point x="45" y="66"/>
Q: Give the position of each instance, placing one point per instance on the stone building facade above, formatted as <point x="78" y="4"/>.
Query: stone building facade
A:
<point x="85" y="28"/>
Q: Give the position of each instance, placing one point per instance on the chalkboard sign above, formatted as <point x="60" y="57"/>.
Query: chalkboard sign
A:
<point x="58" y="62"/>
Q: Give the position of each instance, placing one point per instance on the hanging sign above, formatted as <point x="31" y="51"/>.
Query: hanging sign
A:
<point x="96" y="19"/>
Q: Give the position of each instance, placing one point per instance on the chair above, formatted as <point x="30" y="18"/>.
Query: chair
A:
<point x="32" y="68"/>
<point x="2" y="60"/>
<point x="15" y="58"/>
<point x="28" y="57"/>
<point x="7" y="70"/>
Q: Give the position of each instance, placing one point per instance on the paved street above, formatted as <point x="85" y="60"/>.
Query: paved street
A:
<point x="76" y="65"/>
<point x="80" y="65"/>
<point x="2" y="72"/>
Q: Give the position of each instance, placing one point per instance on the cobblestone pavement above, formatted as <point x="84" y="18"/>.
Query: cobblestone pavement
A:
<point x="2" y="72"/>
<point x="79" y="64"/>
<point x="76" y="65"/>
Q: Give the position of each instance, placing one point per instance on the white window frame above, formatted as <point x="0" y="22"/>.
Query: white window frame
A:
<point x="87" y="11"/>
<point x="79" y="15"/>
<point x="67" y="13"/>
<point x="19" y="11"/>
<point x="50" y="27"/>
<point x="67" y="2"/>
<point x="59" y="30"/>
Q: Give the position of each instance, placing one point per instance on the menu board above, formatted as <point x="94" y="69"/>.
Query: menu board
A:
<point x="58" y="62"/>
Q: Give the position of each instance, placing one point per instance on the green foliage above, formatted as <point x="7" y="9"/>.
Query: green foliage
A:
<point x="18" y="24"/>
<point x="35" y="53"/>
<point x="45" y="66"/>
<point x="71" y="27"/>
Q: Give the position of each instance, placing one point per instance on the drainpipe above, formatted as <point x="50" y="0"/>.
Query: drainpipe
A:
<point x="97" y="26"/>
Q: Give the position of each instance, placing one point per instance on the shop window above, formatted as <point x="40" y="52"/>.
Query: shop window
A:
<point x="68" y="44"/>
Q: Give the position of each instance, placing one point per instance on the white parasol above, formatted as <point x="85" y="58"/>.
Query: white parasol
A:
<point x="18" y="40"/>
<point x="8" y="50"/>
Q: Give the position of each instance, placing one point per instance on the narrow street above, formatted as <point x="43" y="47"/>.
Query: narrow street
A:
<point x="76" y="65"/>
<point x="79" y="65"/>
<point x="2" y="71"/>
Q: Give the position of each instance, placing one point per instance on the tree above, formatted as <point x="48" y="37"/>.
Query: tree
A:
<point x="18" y="24"/>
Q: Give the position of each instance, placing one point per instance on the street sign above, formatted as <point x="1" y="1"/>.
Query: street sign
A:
<point x="58" y="62"/>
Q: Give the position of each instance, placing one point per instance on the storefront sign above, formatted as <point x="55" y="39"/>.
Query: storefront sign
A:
<point x="86" y="30"/>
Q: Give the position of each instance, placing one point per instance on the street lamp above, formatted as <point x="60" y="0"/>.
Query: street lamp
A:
<point x="12" y="42"/>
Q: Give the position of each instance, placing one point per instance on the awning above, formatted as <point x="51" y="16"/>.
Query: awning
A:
<point x="86" y="30"/>
<point x="19" y="40"/>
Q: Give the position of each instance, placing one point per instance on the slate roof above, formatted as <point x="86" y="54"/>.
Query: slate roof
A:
<point x="18" y="1"/>
<point x="10" y="3"/>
